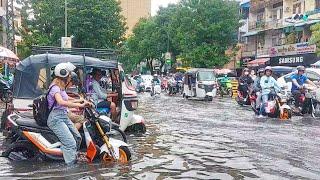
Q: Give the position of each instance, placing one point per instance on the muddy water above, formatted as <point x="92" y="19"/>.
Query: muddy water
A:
<point x="199" y="140"/>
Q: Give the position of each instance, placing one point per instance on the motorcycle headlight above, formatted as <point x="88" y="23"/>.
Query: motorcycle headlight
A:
<point x="201" y="86"/>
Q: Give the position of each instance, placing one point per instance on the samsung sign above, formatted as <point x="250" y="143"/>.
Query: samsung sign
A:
<point x="290" y="60"/>
<point x="294" y="60"/>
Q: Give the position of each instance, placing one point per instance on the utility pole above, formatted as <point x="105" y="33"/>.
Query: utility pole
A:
<point x="10" y="32"/>
<point x="65" y="19"/>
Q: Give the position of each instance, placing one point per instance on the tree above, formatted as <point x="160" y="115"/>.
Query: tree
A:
<point x="315" y="38"/>
<point x="205" y="30"/>
<point x="94" y="24"/>
<point x="197" y="31"/>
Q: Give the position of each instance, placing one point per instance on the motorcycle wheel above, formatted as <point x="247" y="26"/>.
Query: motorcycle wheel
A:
<point x="124" y="155"/>
<point x="21" y="151"/>
<point x="7" y="96"/>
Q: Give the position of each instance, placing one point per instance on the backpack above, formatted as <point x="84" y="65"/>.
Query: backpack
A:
<point x="41" y="109"/>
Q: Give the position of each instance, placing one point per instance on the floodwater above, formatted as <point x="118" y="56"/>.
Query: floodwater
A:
<point x="188" y="139"/>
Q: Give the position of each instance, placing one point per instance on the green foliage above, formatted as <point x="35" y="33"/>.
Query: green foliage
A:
<point x="94" y="24"/>
<point x="198" y="31"/>
<point x="315" y="38"/>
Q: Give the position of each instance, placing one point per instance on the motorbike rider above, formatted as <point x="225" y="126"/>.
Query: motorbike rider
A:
<point x="155" y="81"/>
<point x="298" y="81"/>
<point x="245" y="81"/>
<point x="58" y="120"/>
<point x="100" y="96"/>
<point x="257" y="87"/>
<point x="267" y="82"/>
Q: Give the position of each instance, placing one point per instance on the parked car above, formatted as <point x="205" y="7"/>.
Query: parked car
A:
<point x="312" y="73"/>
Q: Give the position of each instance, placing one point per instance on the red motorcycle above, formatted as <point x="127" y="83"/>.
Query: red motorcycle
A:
<point x="164" y="84"/>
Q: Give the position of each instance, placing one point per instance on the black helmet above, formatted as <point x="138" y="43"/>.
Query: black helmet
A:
<point x="301" y="68"/>
<point x="260" y="70"/>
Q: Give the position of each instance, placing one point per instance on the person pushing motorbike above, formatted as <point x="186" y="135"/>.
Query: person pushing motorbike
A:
<point x="298" y="81"/>
<point x="267" y="82"/>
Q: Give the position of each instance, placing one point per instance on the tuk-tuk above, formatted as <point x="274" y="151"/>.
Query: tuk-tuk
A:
<point x="33" y="77"/>
<point x="200" y="83"/>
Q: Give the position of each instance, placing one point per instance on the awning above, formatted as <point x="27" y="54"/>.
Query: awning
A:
<point x="257" y="62"/>
<point x="307" y="22"/>
<point x="251" y="33"/>
<point x="245" y="4"/>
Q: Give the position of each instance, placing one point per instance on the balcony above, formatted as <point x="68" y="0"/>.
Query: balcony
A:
<point x="265" y="25"/>
<point x="256" y="5"/>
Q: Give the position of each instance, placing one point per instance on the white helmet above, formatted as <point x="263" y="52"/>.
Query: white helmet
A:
<point x="62" y="70"/>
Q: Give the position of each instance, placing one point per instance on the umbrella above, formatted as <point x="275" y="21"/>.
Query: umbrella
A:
<point x="7" y="54"/>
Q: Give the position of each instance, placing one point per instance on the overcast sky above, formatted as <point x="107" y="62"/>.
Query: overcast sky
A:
<point x="157" y="3"/>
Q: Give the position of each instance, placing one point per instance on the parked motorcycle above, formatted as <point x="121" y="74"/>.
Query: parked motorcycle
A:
<point x="6" y="94"/>
<point x="225" y="87"/>
<point x="30" y="141"/>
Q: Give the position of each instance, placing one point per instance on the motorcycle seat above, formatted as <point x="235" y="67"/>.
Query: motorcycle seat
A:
<point x="31" y="123"/>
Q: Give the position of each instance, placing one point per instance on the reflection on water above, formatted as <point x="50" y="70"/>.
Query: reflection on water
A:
<point x="199" y="140"/>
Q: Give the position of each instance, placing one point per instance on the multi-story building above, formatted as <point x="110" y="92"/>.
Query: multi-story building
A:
<point x="275" y="37"/>
<point x="133" y="10"/>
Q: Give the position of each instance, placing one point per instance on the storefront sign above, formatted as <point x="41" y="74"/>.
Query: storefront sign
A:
<point x="292" y="49"/>
<point x="294" y="60"/>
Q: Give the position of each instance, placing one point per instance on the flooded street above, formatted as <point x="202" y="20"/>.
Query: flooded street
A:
<point x="189" y="139"/>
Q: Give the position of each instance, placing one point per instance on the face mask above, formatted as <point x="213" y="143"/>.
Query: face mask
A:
<point x="246" y="73"/>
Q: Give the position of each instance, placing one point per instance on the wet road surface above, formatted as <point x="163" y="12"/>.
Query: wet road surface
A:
<point x="188" y="139"/>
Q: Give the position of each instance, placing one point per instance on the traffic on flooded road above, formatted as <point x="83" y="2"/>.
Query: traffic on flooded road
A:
<point x="199" y="140"/>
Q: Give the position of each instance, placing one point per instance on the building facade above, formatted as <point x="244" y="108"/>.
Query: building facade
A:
<point x="279" y="33"/>
<point x="133" y="10"/>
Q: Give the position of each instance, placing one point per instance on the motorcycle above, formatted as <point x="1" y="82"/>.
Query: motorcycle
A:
<point x="225" y="87"/>
<point x="156" y="89"/>
<point x="164" y="84"/>
<point x="140" y="87"/>
<point x="277" y="106"/>
<point x="6" y="94"/>
<point x="29" y="141"/>
<point x="180" y="86"/>
<point x="309" y="102"/>
<point x="249" y="99"/>
<point x="173" y="87"/>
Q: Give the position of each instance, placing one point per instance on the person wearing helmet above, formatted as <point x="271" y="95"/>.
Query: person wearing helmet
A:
<point x="155" y="79"/>
<point x="245" y="81"/>
<point x="257" y="87"/>
<point x="58" y="120"/>
<point x="298" y="81"/>
<point x="267" y="82"/>
<point x="100" y="95"/>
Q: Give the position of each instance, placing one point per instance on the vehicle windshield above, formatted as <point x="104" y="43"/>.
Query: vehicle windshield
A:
<point x="206" y="76"/>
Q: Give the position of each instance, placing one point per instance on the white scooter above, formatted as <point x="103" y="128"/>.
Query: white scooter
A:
<point x="156" y="89"/>
<point x="29" y="141"/>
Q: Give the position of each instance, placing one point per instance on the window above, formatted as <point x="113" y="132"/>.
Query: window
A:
<point x="297" y="8"/>
<point x="260" y="17"/>
<point x="317" y="4"/>
<point x="206" y="76"/>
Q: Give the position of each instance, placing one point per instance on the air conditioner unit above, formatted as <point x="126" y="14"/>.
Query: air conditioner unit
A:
<point x="287" y="9"/>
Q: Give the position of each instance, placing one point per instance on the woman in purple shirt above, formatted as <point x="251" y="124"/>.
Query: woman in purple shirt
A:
<point x="58" y="120"/>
